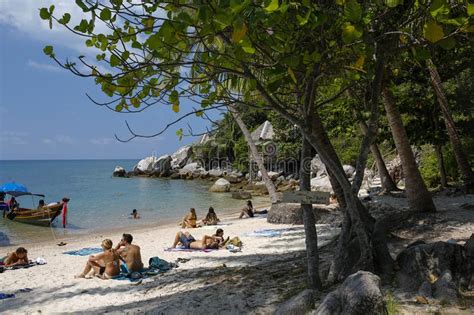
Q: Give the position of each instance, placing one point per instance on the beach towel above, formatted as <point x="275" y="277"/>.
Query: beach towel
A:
<point x="156" y="266"/>
<point x="84" y="251"/>
<point x="183" y="249"/>
<point x="268" y="232"/>
<point x="6" y="296"/>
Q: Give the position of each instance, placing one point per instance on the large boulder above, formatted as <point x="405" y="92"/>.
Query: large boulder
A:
<point x="285" y="213"/>
<point x="233" y="178"/>
<point x="221" y="185"/>
<point x="119" y="171"/>
<point x="446" y="266"/>
<point x="146" y="165"/>
<point x="241" y="195"/>
<point x="359" y="294"/>
<point x="299" y="304"/>
<point x="181" y="156"/>
<point x="318" y="168"/>
<point x="189" y="168"/>
<point x="321" y="184"/>
<point x="162" y="164"/>
<point x="215" y="173"/>
<point x="259" y="187"/>
<point x="349" y="170"/>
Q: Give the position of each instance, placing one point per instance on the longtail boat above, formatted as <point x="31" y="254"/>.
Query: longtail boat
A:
<point x="42" y="216"/>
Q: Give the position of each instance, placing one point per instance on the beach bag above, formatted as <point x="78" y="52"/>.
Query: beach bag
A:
<point x="156" y="263"/>
<point x="234" y="241"/>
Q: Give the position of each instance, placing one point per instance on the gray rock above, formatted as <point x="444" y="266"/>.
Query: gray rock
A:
<point x="175" y="175"/>
<point x="241" y="195"/>
<point x="215" y="173"/>
<point x="317" y="167"/>
<point x="181" y="156"/>
<point x="221" y="185"/>
<point x="233" y="179"/>
<point x="119" y="171"/>
<point x="299" y="304"/>
<point x="273" y="175"/>
<point x="359" y="294"/>
<point x="321" y="184"/>
<point x="469" y="246"/>
<point x="162" y="164"/>
<point x="349" y="170"/>
<point x="146" y="165"/>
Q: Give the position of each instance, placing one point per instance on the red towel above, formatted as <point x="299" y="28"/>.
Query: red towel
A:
<point x="64" y="214"/>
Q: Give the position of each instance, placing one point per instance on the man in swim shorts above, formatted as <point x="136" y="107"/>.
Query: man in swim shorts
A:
<point x="207" y="242"/>
<point x="130" y="254"/>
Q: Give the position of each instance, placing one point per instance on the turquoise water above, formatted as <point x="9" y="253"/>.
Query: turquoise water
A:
<point x="100" y="201"/>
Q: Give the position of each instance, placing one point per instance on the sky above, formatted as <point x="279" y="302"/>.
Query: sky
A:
<point x="44" y="111"/>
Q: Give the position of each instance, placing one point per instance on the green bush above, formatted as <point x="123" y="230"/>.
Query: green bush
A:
<point x="429" y="166"/>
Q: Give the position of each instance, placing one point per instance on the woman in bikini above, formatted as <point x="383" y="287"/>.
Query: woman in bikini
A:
<point x="211" y="217"/>
<point x="105" y="265"/>
<point x="189" y="221"/>
<point x="18" y="257"/>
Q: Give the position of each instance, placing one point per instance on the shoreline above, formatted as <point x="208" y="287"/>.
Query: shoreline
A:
<point x="72" y="238"/>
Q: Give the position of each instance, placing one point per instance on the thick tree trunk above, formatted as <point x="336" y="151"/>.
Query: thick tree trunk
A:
<point x="312" y="253"/>
<point x="418" y="196"/>
<point x="387" y="182"/>
<point x="255" y="155"/>
<point x="461" y="158"/>
<point x="442" y="170"/>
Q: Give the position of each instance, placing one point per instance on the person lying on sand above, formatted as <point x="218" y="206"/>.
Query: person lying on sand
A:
<point x="18" y="257"/>
<point x="105" y="265"/>
<point x="211" y="217"/>
<point x="130" y="254"/>
<point x="189" y="221"/>
<point x="207" y="242"/>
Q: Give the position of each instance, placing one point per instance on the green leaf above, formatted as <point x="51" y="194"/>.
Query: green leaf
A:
<point x="44" y="14"/>
<point x="433" y="32"/>
<point x="135" y="102"/>
<point x="176" y="107"/>
<point x="448" y="43"/>
<point x="292" y="75"/>
<point x="179" y="133"/>
<point x="439" y="8"/>
<point x="350" y="33"/>
<point x="239" y="33"/>
<point x="273" y="6"/>
<point x="105" y="14"/>
<point x="65" y="19"/>
<point x="393" y="3"/>
<point x="470" y="9"/>
<point x="125" y="55"/>
<point x="81" y="4"/>
<point x="119" y="107"/>
<point x="48" y="50"/>
<point x="114" y="60"/>
<point x="353" y="11"/>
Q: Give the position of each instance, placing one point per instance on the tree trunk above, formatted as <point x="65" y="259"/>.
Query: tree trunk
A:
<point x="442" y="170"/>
<point x="255" y="155"/>
<point x="417" y="194"/>
<point x="387" y="182"/>
<point x="312" y="253"/>
<point x="461" y="158"/>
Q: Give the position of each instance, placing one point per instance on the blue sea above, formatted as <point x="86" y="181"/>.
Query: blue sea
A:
<point x="100" y="201"/>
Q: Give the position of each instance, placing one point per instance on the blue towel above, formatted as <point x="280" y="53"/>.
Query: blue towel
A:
<point x="157" y="266"/>
<point x="6" y="296"/>
<point x="84" y="251"/>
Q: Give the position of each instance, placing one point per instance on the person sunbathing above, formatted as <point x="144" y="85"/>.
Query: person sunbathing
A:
<point x="189" y="221"/>
<point x="130" y="254"/>
<point x="17" y="258"/>
<point x="207" y="242"/>
<point x="105" y="265"/>
<point x="211" y="217"/>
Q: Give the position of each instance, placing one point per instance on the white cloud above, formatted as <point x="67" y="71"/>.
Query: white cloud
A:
<point x="23" y="16"/>
<point x="14" y="137"/>
<point x="43" y="66"/>
<point x="59" y="139"/>
<point x="102" y="141"/>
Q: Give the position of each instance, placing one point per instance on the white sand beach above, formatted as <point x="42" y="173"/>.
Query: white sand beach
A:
<point x="199" y="285"/>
